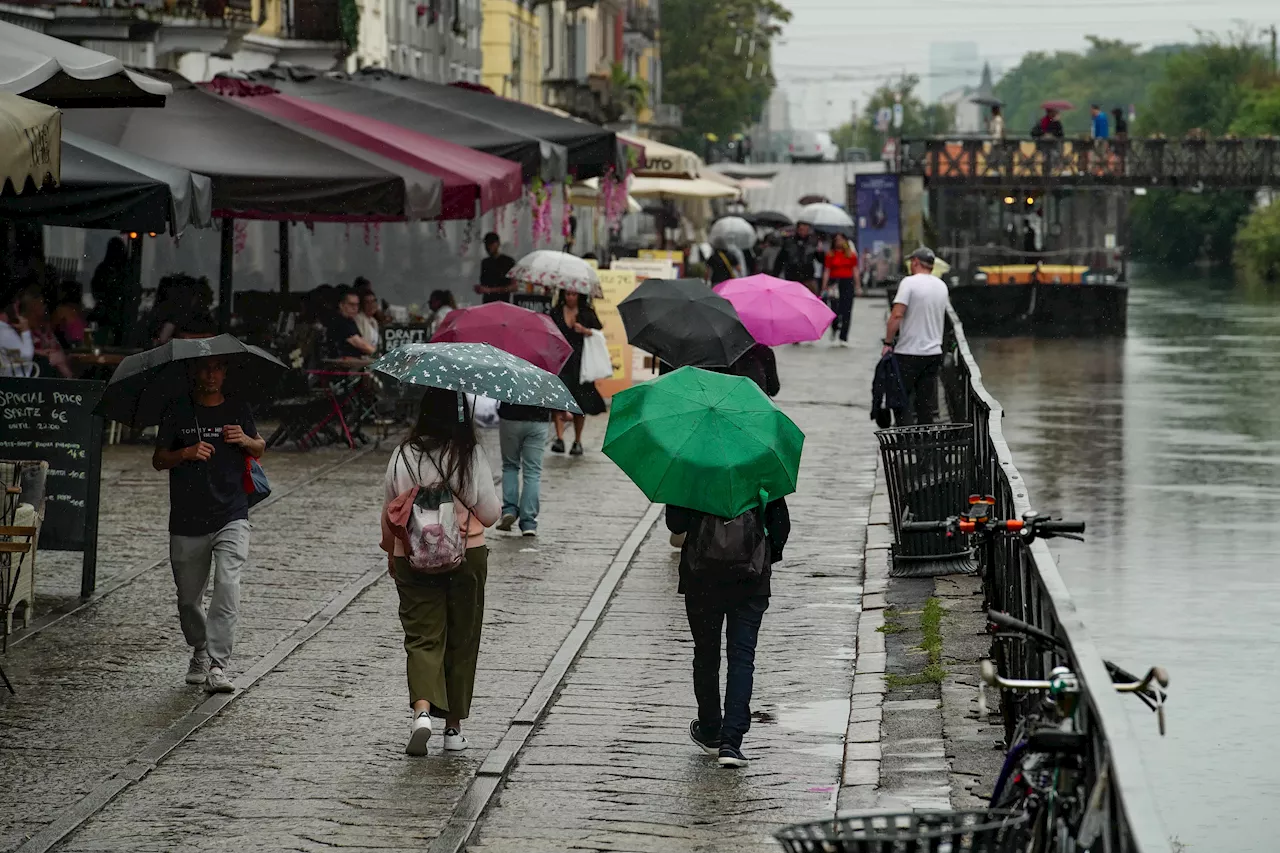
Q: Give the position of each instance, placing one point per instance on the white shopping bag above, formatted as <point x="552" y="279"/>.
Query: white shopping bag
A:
<point x="596" y="363"/>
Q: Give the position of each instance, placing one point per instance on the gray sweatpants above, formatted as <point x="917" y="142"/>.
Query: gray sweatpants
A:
<point x="228" y="551"/>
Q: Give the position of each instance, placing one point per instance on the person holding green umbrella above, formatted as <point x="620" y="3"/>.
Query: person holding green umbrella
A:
<point x="721" y="455"/>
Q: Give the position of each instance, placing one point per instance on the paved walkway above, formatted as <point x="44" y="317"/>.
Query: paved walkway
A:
<point x="579" y="727"/>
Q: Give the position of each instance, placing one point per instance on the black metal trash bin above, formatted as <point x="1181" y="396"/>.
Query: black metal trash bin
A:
<point x="930" y="475"/>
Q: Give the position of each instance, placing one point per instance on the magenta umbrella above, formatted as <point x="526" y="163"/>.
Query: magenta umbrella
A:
<point x="776" y="311"/>
<point x="523" y="333"/>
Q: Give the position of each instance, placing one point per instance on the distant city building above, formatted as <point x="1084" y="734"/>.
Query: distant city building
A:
<point x="951" y="65"/>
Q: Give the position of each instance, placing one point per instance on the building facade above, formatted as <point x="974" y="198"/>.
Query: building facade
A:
<point x="511" y="42"/>
<point x="436" y="40"/>
<point x="197" y="38"/>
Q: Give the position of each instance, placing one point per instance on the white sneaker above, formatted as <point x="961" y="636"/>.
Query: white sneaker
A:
<point x="454" y="740"/>
<point x="419" y="733"/>
<point x="197" y="668"/>
<point x="530" y="533"/>
<point x="217" y="681"/>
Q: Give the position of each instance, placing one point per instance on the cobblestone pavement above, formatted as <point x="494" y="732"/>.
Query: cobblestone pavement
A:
<point x="105" y="745"/>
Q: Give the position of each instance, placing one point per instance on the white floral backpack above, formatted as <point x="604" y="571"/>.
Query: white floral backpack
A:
<point x="434" y="540"/>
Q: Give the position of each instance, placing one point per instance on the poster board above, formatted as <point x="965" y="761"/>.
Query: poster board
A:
<point x="879" y="228"/>
<point x="617" y="286"/>
<point x="53" y="420"/>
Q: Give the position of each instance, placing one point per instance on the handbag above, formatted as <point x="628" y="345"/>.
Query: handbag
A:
<point x="596" y="363"/>
<point x="256" y="485"/>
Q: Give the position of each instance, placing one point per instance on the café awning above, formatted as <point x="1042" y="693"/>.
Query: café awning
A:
<point x="681" y="188"/>
<point x="263" y="168"/>
<point x="103" y="187"/>
<point x="592" y="150"/>
<point x="30" y="144"/>
<point x="62" y="74"/>
<point x="538" y="158"/>
<point x="473" y="182"/>
<point x="664" y="161"/>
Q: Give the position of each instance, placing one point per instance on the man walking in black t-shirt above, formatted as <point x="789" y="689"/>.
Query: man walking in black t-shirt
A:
<point x="494" y="285"/>
<point x="203" y="444"/>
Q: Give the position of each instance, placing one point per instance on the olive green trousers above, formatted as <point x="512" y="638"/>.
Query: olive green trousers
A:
<point x="442" y="616"/>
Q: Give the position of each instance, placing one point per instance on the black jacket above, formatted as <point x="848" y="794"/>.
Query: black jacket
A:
<point x="887" y="394"/>
<point x="795" y="260"/>
<point x="777" y="522"/>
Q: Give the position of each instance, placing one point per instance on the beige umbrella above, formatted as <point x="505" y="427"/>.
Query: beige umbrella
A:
<point x="681" y="188"/>
<point x="30" y="143"/>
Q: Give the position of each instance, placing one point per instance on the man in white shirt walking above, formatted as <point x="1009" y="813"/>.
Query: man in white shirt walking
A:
<point x="916" y="322"/>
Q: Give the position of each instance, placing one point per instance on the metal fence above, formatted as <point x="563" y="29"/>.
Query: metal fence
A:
<point x="1024" y="582"/>
<point x="1239" y="163"/>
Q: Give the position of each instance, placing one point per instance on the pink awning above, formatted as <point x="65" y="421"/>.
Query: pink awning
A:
<point x="470" y="177"/>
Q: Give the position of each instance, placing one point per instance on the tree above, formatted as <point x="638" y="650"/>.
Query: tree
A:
<point x="1257" y="245"/>
<point x="1109" y="73"/>
<point x="1204" y="87"/>
<point x="917" y="118"/>
<point x="716" y="62"/>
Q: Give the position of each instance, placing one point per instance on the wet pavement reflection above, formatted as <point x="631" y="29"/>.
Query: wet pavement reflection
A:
<point x="1168" y="444"/>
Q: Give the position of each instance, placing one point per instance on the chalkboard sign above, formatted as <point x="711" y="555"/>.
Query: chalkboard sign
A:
<point x="398" y="334"/>
<point x="52" y="419"/>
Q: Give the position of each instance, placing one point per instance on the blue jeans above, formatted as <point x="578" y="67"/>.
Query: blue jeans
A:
<point x="740" y="620"/>
<point x="522" y="444"/>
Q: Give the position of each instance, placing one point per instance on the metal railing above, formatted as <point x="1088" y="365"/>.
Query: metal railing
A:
<point x="1241" y="163"/>
<point x="1024" y="582"/>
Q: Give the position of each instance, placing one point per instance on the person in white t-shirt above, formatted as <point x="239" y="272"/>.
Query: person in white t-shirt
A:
<point x="916" y="322"/>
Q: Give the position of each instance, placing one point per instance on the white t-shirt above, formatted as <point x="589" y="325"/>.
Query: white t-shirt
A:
<point x="926" y="299"/>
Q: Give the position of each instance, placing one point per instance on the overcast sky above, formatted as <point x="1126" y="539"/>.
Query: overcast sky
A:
<point x="836" y="51"/>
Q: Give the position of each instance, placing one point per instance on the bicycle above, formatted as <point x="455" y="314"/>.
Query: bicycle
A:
<point x="980" y="520"/>
<point x="1043" y="774"/>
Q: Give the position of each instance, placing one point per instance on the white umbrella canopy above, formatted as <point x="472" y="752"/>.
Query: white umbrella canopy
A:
<point x="30" y="143"/>
<point x="63" y="74"/>
<point x="733" y="231"/>
<point x="558" y="271"/>
<point x="827" y="218"/>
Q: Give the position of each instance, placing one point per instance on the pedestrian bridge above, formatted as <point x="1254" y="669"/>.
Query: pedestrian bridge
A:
<point x="1189" y="163"/>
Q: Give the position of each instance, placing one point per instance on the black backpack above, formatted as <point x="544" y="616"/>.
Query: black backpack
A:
<point x="730" y="549"/>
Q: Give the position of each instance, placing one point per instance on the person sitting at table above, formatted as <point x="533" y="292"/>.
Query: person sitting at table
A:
<point x="177" y="310"/>
<point x="17" y="349"/>
<point x="367" y="319"/>
<point x="48" y="352"/>
<point x="345" y="340"/>
<point x="68" y="314"/>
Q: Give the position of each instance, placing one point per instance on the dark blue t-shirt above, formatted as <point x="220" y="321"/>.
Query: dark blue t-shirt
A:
<point x="205" y="496"/>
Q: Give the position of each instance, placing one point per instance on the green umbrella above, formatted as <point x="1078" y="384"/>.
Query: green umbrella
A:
<point x="705" y="441"/>
<point x="477" y="369"/>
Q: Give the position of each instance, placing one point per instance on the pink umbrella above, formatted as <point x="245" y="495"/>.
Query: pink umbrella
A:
<point x="523" y="333"/>
<point x="776" y="311"/>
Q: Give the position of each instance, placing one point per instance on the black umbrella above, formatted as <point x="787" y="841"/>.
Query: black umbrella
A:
<point x="769" y="219"/>
<point x="683" y="322"/>
<point x="144" y="384"/>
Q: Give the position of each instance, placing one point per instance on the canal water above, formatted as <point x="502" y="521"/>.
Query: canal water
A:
<point x="1168" y="443"/>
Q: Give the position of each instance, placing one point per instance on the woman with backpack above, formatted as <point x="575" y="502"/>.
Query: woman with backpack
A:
<point x="725" y="569"/>
<point x="439" y="499"/>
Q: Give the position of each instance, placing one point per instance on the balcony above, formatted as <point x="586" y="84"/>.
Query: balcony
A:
<point x="641" y="21"/>
<point x="587" y="98"/>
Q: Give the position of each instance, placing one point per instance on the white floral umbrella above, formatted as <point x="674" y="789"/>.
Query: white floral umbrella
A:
<point x="557" y="270"/>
